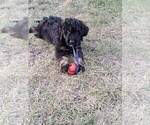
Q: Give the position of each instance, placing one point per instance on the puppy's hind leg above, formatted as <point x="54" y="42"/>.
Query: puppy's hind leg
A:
<point x="5" y="30"/>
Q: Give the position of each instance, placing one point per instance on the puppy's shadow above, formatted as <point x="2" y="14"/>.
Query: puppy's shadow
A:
<point x="19" y="30"/>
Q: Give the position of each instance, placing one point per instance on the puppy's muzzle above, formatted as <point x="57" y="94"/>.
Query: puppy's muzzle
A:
<point x="71" y="43"/>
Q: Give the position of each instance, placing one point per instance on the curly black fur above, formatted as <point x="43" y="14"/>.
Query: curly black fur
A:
<point x="63" y="34"/>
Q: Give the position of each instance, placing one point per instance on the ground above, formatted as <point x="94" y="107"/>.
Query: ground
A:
<point x="136" y="62"/>
<point x="33" y="90"/>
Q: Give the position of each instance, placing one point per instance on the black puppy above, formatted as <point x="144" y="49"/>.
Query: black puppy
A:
<point x="63" y="34"/>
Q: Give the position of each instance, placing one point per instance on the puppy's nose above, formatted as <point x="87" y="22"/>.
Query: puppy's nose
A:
<point x="71" y="43"/>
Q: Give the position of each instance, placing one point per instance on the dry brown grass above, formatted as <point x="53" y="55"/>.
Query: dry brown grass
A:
<point x="52" y="98"/>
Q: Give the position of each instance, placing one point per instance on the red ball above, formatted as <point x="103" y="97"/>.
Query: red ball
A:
<point x="72" y="69"/>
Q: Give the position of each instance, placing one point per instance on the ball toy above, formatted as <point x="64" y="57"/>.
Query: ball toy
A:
<point x="72" y="69"/>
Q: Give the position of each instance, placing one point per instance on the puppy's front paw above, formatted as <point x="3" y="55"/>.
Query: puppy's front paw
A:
<point x="64" y="68"/>
<point x="81" y="68"/>
<point x="81" y="65"/>
<point x="64" y="65"/>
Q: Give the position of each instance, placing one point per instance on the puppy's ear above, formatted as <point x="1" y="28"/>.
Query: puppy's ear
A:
<point x="84" y="29"/>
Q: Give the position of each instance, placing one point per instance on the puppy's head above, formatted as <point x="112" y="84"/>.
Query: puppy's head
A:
<point x="73" y="31"/>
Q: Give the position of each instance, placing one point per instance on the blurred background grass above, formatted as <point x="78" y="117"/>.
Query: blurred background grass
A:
<point x="90" y="98"/>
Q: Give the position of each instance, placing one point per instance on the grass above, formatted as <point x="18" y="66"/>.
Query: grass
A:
<point x="135" y="62"/>
<point x="90" y="98"/>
